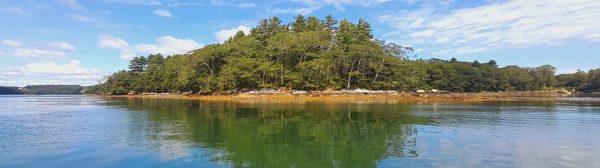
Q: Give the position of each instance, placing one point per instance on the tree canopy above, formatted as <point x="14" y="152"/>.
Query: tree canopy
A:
<point x="318" y="54"/>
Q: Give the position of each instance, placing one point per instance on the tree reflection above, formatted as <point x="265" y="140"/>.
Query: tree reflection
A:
<point x="277" y="135"/>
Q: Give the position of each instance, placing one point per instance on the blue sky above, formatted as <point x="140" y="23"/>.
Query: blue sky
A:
<point x="81" y="41"/>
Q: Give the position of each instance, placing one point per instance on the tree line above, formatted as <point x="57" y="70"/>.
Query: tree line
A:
<point x="318" y="54"/>
<point x="43" y="90"/>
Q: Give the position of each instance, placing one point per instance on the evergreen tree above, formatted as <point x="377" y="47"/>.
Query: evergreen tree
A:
<point x="299" y="25"/>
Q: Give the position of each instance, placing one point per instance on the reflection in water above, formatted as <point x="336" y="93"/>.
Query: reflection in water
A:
<point x="80" y="131"/>
<point x="263" y="135"/>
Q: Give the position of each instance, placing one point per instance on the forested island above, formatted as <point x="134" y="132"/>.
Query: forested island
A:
<point x="313" y="54"/>
<point x="42" y="90"/>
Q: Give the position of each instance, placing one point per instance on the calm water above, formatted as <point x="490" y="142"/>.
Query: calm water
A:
<point x="80" y="131"/>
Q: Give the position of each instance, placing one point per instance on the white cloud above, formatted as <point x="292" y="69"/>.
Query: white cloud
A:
<point x="64" y="46"/>
<point x="11" y="43"/>
<point x="72" y="3"/>
<point x="36" y="52"/>
<point x="127" y="55"/>
<point x="138" y="2"/>
<point x="169" y="45"/>
<point x="246" y="5"/>
<point x="235" y="3"/>
<point x="73" y="67"/>
<point x="163" y="13"/>
<point x="83" y="18"/>
<point x="105" y="41"/>
<point x="516" y="23"/>
<point x="312" y="5"/>
<point x="224" y="35"/>
<point x="50" y="73"/>
<point x="166" y="45"/>
<point x="52" y="49"/>
<point x="302" y="11"/>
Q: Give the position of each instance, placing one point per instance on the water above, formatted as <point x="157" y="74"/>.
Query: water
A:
<point x="81" y="131"/>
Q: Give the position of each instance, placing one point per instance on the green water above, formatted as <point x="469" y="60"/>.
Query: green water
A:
<point x="80" y="131"/>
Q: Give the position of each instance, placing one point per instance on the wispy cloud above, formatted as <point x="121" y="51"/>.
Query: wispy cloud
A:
<point x="166" y="45"/>
<point x="185" y="3"/>
<point x="47" y="49"/>
<point x="72" y="4"/>
<point x="83" y="18"/>
<point x="12" y="10"/>
<point x="11" y="43"/>
<point x="137" y="2"/>
<point x="235" y="3"/>
<point x="53" y="49"/>
<point x="313" y="5"/>
<point x="516" y="23"/>
<point x="162" y="13"/>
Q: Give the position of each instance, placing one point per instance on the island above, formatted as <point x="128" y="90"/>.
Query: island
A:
<point x="324" y="56"/>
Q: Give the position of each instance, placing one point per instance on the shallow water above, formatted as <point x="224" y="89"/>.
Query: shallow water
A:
<point x="81" y="131"/>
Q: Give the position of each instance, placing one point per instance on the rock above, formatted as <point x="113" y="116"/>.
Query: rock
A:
<point x="204" y="92"/>
<point x="299" y="92"/>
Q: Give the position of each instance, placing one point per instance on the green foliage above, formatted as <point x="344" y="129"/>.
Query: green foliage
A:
<point x="318" y="54"/>
<point x="594" y="80"/>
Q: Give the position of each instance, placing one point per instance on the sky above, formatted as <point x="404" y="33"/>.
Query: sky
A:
<point x="83" y="41"/>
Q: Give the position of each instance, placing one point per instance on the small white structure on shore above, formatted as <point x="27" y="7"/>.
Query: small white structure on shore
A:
<point x="434" y="91"/>
<point x="420" y="91"/>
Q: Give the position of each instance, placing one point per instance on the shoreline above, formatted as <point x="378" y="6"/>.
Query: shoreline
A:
<point x="380" y="97"/>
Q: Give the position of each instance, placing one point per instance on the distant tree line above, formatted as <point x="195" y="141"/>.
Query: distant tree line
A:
<point x="43" y="90"/>
<point x="318" y="54"/>
<point x="5" y="90"/>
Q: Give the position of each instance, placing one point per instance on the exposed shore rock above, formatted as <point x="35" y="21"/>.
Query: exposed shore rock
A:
<point x="357" y="95"/>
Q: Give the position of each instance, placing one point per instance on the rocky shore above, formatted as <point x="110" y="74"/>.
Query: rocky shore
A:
<point x="357" y="95"/>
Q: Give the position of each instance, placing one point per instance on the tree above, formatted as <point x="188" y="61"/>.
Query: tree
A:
<point x="261" y="31"/>
<point x="393" y="49"/>
<point x="493" y="63"/>
<point x="519" y="78"/>
<point x="138" y="64"/>
<point x="363" y="31"/>
<point x="314" y="24"/>
<point x="274" y="26"/>
<point x="577" y="80"/>
<point x="476" y="63"/>
<point x="594" y="79"/>
<point x="346" y="35"/>
<point x="543" y="76"/>
<point x="453" y="60"/>
<point x="299" y="25"/>
<point x="330" y="23"/>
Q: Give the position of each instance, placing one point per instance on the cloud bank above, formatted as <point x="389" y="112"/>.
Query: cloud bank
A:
<point x="71" y="72"/>
<point x="516" y="23"/>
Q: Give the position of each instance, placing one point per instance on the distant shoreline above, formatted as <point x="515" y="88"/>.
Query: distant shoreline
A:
<point x="328" y="97"/>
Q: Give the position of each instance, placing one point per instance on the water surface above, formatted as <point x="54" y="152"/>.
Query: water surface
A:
<point x="82" y="131"/>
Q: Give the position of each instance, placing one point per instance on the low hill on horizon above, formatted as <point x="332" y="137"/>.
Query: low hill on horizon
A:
<point x="42" y="90"/>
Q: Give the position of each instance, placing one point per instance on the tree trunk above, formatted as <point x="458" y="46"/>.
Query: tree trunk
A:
<point x="350" y="75"/>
